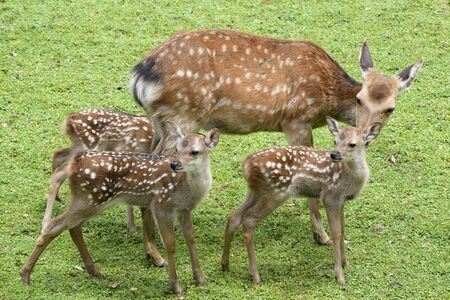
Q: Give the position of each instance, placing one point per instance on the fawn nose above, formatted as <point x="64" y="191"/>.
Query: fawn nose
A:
<point x="335" y="156"/>
<point x="176" y="165"/>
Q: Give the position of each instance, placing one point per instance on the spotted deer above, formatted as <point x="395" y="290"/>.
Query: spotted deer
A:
<point x="242" y="83"/>
<point x="100" y="130"/>
<point x="275" y="174"/>
<point x="167" y="187"/>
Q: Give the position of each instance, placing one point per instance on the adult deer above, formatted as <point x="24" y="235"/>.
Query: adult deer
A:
<point x="242" y="83"/>
<point x="168" y="186"/>
<point x="275" y="174"/>
<point x="99" y="129"/>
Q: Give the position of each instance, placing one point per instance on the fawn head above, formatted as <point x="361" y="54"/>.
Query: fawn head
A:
<point x="192" y="149"/>
<point x="351" y="141"/>
<point x="376" y="100"/>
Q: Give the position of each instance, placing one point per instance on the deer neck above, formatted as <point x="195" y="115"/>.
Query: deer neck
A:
<point x="198" y="180"/>
<point x="343" y="108"/>
<point x="356" y="173"/>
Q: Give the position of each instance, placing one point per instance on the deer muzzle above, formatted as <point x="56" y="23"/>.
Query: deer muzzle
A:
<point x="335" y="156"/>
<point x="176" y="165"/>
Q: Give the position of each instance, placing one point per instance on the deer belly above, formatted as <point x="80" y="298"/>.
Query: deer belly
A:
<point x="239" y="119"/>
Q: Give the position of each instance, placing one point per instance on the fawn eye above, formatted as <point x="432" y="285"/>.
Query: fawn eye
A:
<point x="358" y="101"/>
<point x="194" y="152"/>
<point x="389" y="110"/>
<point x="334" y="143"/>
<point x="352" y="145"/>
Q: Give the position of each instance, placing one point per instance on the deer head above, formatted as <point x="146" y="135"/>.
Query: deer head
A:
<point x="350" y="141"/>
<point x="376" y="100"/>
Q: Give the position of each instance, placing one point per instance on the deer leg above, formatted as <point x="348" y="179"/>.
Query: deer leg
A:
<point x="54" y="229"/>
<point x="148" y="230"/>
<point x="261" y="209"/>
<point x="58" y="177"/>
<point x="344" y="260"/>
<point x="334" y="210"/>
<point x="76" y="234"/>
<point x="165" y="225"/>
<point x="188" y="231"/>
<point x="301" y="134"/>
<point x="60" y="156"/>
<point x="130" y="220"/>
<point x="234" y="220"/>
<point x="320" y="236"/>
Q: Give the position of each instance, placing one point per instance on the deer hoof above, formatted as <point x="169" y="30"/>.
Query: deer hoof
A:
<point x="176" y="289"/>
<point x="200" y="280"/>
<point x="225" y="266"/>
<point x="25" y="278"/>
<point x="322" y="240"/>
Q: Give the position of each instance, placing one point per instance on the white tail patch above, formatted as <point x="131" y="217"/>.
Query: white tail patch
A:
<point x="145" y="92"/>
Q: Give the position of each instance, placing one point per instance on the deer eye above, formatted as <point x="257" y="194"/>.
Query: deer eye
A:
<point x="334" y="143"/>
<point x="389" y="110"/>
<point x="358" y="101"/>
<point x="194" y="152"/>
<point x="352" y="145"/>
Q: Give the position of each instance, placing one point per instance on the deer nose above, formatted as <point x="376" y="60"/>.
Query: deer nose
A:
<point x="335" y="156"/>
<point x="176" y="165"/>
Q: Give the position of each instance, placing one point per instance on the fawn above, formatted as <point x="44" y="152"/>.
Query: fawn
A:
<point x="243" y="83"/>
<point x="277" y="173"/>
<point x="167" y="187"/>
<point x="100" y="130"/>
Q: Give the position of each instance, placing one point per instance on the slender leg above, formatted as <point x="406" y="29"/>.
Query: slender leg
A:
<point x="343" y="256"/>
<point x="234" y="220"/>
<point x="320" y="236"/>
<point x="58" y="177"/>
<point x="188" y="231"/>
<point x="77" y="237"/>
<point x="54" y="229"/>
<point x="130" y="220"/>
<point x="165" y="225"/>
<point x="301" y="134"/>
<point x="262" y="208"/>
<point x="148" y="230"/>
<point x="334" y="210"/>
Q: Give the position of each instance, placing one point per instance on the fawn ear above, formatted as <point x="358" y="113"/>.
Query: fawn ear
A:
<point x="371" y="132"/>
<point x="212" y="138"/>
<point x="333" y="126"/>
<point x="175" y="131"/>
<point x="365" y="59"/>
<point x="407" y="76"/>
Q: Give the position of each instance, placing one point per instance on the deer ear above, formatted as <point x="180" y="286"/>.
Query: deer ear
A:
<point x="212" y="138"/>
<point x="175" y="131"/>
<point x="407" y="76"/>
<point x="333" y="126"/>
<point x="371" y="132"/>
<point x="365" y="59"/>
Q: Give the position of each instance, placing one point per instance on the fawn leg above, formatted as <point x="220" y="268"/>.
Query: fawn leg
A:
<point x="344" y="260"/>
<point x="58" y="177"/>
<point x="53" y="229"/>
<point x="130" y="220"/>
<point x="148" y="230"/>
<point x="320" y="236"/>
<point x="234" y="220"/>
<point x="261" y="208"/>
<point x="165" y="225"/>
<point x="188" y="231"/>
<point x="77" y="237"/>
<point x="334" y="210"/>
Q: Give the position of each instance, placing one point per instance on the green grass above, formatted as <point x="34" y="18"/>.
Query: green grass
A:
<point x="62" y="56"/>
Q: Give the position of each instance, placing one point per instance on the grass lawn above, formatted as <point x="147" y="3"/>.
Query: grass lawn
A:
<point x="57" y="57"/>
